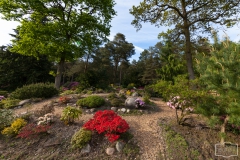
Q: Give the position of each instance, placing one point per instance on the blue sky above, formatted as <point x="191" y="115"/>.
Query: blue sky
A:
<point x="142" y="39"/>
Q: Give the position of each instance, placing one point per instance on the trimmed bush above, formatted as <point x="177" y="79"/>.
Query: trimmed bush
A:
<point x="10" y="103"/>
<point x="91" y="102"/>
<point x="37" y="90"/>
<point x="81" y="138"/>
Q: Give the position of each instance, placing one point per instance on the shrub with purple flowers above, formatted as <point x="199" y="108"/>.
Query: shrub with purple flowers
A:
<point x="139" y="103"/>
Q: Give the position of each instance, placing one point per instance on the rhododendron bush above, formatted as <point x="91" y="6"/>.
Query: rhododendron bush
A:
<point x="107" y="122"/>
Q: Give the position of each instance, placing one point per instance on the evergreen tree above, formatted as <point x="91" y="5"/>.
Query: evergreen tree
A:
<point x="219" y="74"/>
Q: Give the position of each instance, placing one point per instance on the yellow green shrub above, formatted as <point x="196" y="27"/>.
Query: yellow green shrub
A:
<point x="15" y="127"/>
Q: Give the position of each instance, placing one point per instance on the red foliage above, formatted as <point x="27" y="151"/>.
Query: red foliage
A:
<point x="32" y="130"/>
<point x="64" y="99"/>
<point x="108" y="123"/>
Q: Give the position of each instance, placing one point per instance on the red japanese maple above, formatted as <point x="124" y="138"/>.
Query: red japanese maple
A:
<point x="109" y="123"/>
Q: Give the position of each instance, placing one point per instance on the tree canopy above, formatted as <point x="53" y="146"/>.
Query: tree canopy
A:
<point x="185" y="17"/>
<point x="61" y="29"/>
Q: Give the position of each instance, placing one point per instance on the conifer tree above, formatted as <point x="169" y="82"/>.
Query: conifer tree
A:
<point x="220" y="76"/>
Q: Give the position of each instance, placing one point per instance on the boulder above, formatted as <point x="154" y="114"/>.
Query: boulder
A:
<point x="130" y="102"/>
<point x="119" y="146"/>
<point x="86" y="149"/>
<point x="110" y="151"/>
<point x="21" y="103"/>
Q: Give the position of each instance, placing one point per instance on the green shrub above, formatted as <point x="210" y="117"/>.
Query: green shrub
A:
<point x="116" y="102"/>
<point x="70" y="114"/>
<point x="38" y="90"/>
<point x="6" y="118"/>
<point x="130" y="86"/>
<point x="14" y="128"/>
<point x="10" y="103"/>
<point x="112" y="96"/>
<point x="146" y="99"/>
<point x="81" y="138"/>
<point x="4" y="93"/>
<point x="91" y="102"/>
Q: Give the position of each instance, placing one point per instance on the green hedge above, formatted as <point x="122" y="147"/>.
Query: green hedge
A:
<point x="37" y="90"/>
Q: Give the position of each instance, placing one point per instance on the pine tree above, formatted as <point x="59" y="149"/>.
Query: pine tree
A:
<point x="220" y="75"/>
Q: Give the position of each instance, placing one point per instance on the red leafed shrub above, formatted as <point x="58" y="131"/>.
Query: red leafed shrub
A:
<point x="32" y="130"/>
<point x="64" y="99"/>
<point x="109" y="123"/>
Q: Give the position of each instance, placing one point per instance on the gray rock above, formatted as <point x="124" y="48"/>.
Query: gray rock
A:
<point x="21" y="103"/>
<point x="128" y="110"/>
<point x="93" y="110"/>
<point x="135" y="94"/>
<point x="110" y="151"/>
<point x="123" y="110"/>
<point x="119" y="146"/>
<point x="114" y="109"/>
<point x="130" y="102"/>
<point x="86" y="149"/>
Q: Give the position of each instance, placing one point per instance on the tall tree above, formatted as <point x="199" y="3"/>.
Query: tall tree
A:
<point x="60" y="29"/>
<point x="186" y="17"/>
<point x="119" y="51"/>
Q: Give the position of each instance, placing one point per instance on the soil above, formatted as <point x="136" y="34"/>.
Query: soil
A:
<point x="148" y="143"/>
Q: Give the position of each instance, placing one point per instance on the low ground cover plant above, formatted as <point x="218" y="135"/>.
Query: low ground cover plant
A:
<point x="81" y="138"/>
<point x="70" y="114"/>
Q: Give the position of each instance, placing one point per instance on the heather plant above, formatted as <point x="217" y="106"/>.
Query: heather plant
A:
<point x="139" y="103"/>
<point x="14" y="128"/>
<point x="69" y="114"/>
<point x="81" y="138"/>
<point x="116" y="102"/>
<point x="91" y="102"/>
<point x="37" y="90"/>
<point x="32" y="130"/>
<point x="6" y="118"/>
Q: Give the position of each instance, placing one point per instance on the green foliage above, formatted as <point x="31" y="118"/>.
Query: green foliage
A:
<point x="19" y="70"/>
<point x="14" y="128"/>
<point x="146" y="99"/>
<point x="4" y="93"/>
<point x="112" y="96"/>
<point x="37" y="90"/>
<point x="91" y="102"/>
<point x="81" y="138"/>
<point x="10" y="103"/>
<point x="130" y="86"/>
<point x="182" y="88"/>
<point x="219" y="75"/>
<point x="6" y="118"/>
<point x="116" y="102"/>
<point x="69" y="114"/>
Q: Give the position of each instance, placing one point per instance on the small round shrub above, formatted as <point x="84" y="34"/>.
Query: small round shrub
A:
<point x="112" y="96"/>
<point x="4" y="93"/>
<point x="116" y="102"/>
<point x="91" y="102"/>
<point x="37" y="90"/>
<point x="81" y="138"/>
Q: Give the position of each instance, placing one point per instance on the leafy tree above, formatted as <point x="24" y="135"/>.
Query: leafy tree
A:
<point x="62" y="30"/>
<point x="219" y="73"/>
<point x="186" y="17"/>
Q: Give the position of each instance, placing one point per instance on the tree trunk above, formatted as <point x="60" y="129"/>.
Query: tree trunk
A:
<point x="223" y="127"/>
<point x="58" y="77"/>
<point x="188" y="54"/>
